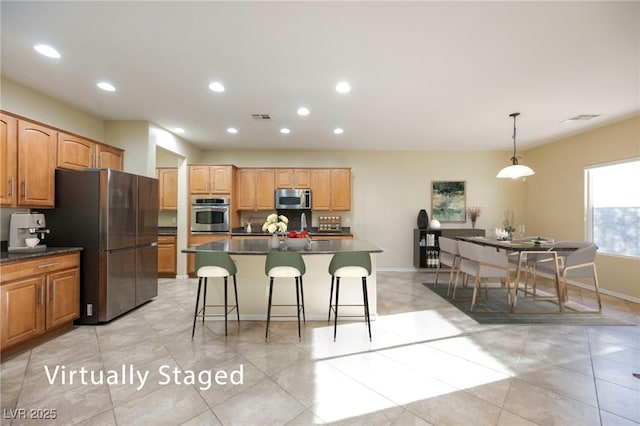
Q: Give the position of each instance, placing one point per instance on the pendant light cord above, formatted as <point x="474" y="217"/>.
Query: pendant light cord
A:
<point x="514" y="159"/>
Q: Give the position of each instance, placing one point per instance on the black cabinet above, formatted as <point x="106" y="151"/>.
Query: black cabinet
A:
<point x="426" y="250"/>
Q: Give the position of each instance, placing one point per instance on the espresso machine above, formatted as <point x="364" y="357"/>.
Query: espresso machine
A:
<point x="26" y="230"/>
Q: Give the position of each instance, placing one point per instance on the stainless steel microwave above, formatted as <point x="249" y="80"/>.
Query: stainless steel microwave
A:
<point x="296" y="199"/>
<point x="210" y="214"/>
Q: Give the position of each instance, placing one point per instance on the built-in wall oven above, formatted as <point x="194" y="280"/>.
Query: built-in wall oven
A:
<point x="210" y="214"/>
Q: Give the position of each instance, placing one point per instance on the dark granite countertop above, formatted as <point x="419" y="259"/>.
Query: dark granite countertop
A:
<point x="6" y="257"/>
<point x="346" y="232"/>
<point x="167" y="230"/>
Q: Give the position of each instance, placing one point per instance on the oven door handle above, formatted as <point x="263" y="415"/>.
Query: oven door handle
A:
<point x="214" y="208"/>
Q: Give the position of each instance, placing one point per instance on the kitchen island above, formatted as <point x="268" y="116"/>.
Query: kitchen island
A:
<point x="253" y="284"/>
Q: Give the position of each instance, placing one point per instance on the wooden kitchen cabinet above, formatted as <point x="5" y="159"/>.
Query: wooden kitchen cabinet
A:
<point x="255" y="189"/>
<point x="331" y="189"/>
<point x="109" y="157"/>
<point x="167" y="256"/>
<point x="36" y="164"/>
<point x="210" y="179"/>
<point x="77" y="153"/>
<point x="63" y="297"/>
<point x="168" y="188"/>
<point x="22" y="310"/>
<point x="8" y="160"/>
<point x="293" y="178"/>
<point x="39" y="297"/>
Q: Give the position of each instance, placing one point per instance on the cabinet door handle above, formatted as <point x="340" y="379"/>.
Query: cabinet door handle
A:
<point x="52" y="291"/>
<point x="12" y="185"/>
<point x="41" y="295"/>
<point x="24" y="189"/>
<point x="46" y="265"/>
<point x="93" y="160"/>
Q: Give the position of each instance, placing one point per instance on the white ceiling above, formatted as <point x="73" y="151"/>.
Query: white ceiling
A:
<point x="424" y="75"/>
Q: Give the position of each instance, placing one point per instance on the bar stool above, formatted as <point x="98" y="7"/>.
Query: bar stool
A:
<point x="285" y="264"/>
<point x="349" y="264"/>
<point x="214" y="265"/>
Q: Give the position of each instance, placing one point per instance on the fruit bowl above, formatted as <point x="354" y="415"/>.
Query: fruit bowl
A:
<point x="296" y="243"/>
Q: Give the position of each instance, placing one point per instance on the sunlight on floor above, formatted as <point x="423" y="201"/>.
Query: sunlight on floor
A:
<point x="404" y="362"/>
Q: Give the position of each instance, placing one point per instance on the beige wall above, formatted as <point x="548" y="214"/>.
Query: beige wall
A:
<point x="23" y="101"/>
<point x="555" y="196"/>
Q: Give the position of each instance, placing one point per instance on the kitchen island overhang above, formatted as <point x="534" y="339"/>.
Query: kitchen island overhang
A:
<point x="249" y="256"/>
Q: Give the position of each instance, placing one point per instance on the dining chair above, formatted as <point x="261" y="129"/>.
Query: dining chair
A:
<point x="489" y="263"/>
<point x="285" y="264"/>
<point x="214" y="265"/>
<point x="529" y="259"/>
<point x="355" y="264"/>
<point x="450" y="257"/>
<point x="578" y="263"/>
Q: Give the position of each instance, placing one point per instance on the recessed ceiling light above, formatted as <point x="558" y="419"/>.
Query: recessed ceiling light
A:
<point x="303" y="111"/>
<point x="47" y="51"/>
<point x="343" y="87"/>
<point x="106" y="86"/>
<point x="178" y="130"/>
<point x="232" y="130"/>
<point x="285" y="131"/>
<point x="338" y="131"/>
<point x="216" y="86"/>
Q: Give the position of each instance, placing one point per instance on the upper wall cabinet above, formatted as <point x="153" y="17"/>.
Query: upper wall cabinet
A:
<point x="255" y="189"/>
<point x="293" y="178"/>
<point x="9" y="160"/>
<point x="331" y="189"/>
<point x="168" y="188"/>
<point x="109" y="157"/>
<point x="77" y="153"/>
<point x="206" y="179"/>
<point x="36" y="164"/>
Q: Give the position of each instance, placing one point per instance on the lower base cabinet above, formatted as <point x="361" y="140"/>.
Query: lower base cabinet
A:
<point x="38" y="298"/>
<point x="167" y="255"/>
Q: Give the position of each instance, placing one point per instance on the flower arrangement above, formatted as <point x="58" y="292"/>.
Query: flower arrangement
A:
<point x="275" y="223"/>
<point x="473" y="213"/>
<point x="509" y="222"/>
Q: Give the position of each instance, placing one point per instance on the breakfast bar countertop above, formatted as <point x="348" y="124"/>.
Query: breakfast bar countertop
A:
<point x="261" y="246"/>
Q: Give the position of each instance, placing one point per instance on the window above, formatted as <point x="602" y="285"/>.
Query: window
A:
<point x="613" y="207"/>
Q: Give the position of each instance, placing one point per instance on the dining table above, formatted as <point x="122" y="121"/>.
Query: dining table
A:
<point x="523" y="247"/>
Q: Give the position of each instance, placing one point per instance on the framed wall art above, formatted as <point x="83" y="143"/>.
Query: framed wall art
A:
<point x="448" y="201"/>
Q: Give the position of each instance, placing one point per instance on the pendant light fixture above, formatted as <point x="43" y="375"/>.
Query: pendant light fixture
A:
<point x="515" y="170"/>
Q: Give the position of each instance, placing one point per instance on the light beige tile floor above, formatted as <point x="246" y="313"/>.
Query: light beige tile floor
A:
<point x="427" y="364"/>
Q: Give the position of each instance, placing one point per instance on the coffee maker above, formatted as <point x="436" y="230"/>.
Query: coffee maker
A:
<point x="23" y="226"/>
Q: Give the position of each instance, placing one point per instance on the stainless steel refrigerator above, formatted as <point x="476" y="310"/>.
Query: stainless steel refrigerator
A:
<point x="113" y="215"/>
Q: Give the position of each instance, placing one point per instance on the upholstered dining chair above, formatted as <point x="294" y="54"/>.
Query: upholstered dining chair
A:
<point x="214" y="265"/>
<point x="285" y="264"/>
<point x="578" y="263"/>
<point x="529" y="259"/>
<point x="484" y="263"/>
<point x="450" y="257"/>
